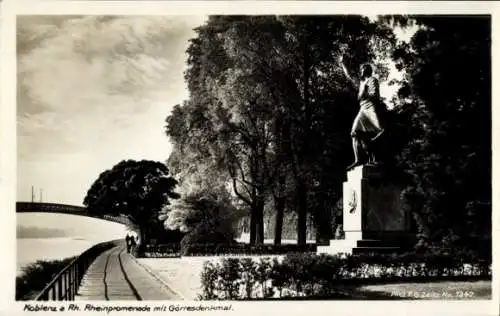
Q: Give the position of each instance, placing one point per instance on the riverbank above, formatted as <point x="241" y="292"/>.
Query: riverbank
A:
<point x="35" y="276"/>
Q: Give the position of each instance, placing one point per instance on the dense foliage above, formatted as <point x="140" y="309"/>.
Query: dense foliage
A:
<point x="137" y="189"/>
<point x="448" y="67"/>
<point x="205" y="216"/>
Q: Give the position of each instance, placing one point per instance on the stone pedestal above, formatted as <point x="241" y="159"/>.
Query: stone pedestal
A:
<point x="374" y="219"/>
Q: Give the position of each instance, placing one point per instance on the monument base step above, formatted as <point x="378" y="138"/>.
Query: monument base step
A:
<point x="380" y="246"/>
<point x="364" y="246"/>
<point x="363" y="243"/>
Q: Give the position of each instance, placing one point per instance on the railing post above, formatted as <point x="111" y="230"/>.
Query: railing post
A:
<point x="59" y="289"/>
<point x="72" y="280"/>
<point x="67" y="286"/>
<point x="77" y="282"/>
<point x="77" y="271"/>
<point x="74" y="285"/>
<point x="63" y="285"/>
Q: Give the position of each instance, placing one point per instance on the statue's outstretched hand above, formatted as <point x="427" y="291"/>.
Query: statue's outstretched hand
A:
<point x="341" y="59"/>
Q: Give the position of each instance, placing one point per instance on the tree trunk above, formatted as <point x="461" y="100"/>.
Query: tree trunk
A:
<point x="278" y="227"/>
<point x="142" y="242"/>
<point x="259" y="238"/>
<point x="253" y="225"/>
<point x="323" y="223"/>
<point x="302" y="214"/>
<point x="301" y="186"/>
<point x="301" y="201"/>
<point x="318" y="235"/>
<point x="323" y="231"/>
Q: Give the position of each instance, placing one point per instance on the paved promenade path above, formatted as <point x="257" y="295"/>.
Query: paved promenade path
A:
<point x="116" y="275"/>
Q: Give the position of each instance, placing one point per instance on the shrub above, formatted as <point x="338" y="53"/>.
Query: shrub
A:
<point x="36" y="276"/>
<point x="209" y="279"/>
<point x="263" y="274"/>
<point x="207" y="217"/>
<point x="312" y="275"/>
<point x="203" y="237"/>
<point x="229" y="276"/>
<point x="162" y="250"/>
<point x="279" y="276"/>
<point x="210" y="249"/>
<point x="249" y="276"/>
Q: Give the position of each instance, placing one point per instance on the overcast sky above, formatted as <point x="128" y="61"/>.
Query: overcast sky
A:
<point x="94" y="91"/>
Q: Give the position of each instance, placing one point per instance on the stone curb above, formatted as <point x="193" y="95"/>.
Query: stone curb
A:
<point x="154" y="275"/>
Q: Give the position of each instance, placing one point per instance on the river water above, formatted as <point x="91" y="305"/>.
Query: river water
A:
<point x="30" y="250"/>
<point x="43" y="236"/>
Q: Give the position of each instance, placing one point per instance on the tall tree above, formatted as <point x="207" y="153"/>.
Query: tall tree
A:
<point x="448" y="65"/>
<point x="236" y="114"/>
<point x="137" y="189"/>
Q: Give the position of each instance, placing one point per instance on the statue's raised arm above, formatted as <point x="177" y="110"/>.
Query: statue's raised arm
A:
<point x="354" y="81"/>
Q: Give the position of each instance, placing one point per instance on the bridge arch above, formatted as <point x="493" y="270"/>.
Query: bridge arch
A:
<point x="40" y="207"/>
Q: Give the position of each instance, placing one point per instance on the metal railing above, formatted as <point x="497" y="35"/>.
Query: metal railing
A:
<point x="64" y="286"/>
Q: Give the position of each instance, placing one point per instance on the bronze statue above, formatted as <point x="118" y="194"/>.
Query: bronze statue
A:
<point x="367" y="126"/>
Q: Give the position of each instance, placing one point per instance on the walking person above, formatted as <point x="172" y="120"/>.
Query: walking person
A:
<point x="133" y="243"/>
<point x="128" y="241"/>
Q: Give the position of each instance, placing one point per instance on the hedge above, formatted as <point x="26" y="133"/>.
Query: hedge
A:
<point x="161" y="251"/>
<point x="174" y="249"/>
<point x="245" y="249"/>
<point x="322" y="276"/>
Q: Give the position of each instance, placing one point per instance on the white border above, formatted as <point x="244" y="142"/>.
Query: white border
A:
<point x="12" y="8"/>
<point x="248" y="7"/>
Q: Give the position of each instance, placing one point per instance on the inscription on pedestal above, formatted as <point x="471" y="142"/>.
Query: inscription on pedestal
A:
<point x="383" y="209"/>
<point x="371" y="203"/>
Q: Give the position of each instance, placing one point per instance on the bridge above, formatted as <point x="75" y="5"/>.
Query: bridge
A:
<point x="39" y="207"/>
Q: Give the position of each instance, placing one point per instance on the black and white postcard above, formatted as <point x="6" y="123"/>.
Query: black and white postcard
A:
<point x="238" y="157"/>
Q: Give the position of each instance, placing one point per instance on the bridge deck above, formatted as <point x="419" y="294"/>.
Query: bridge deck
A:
<point x="36" y="207"/>
<point x="115" y="275"/>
